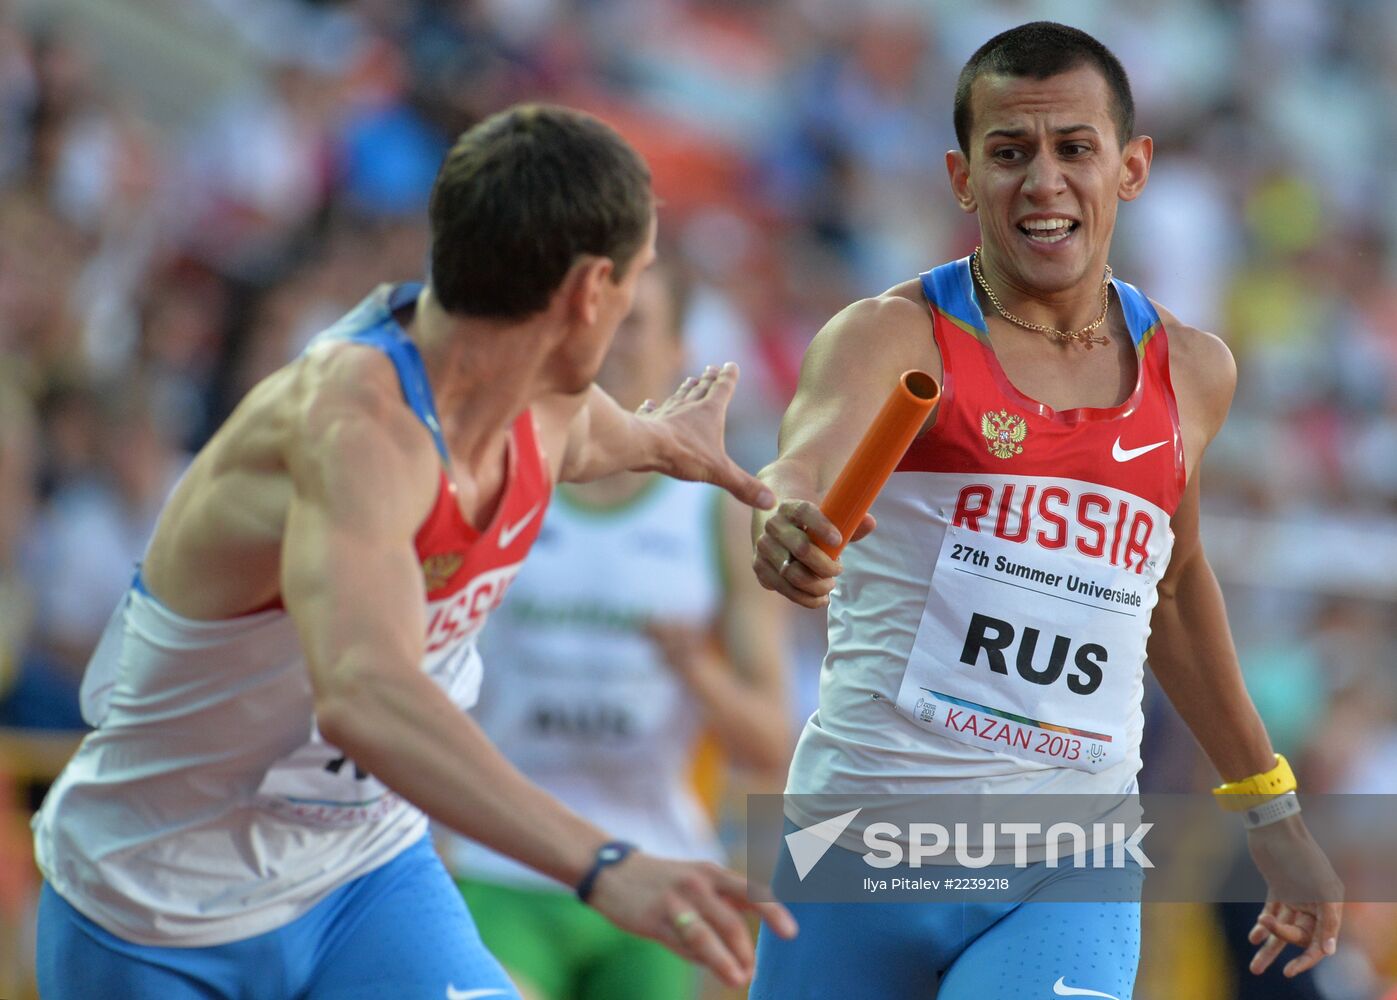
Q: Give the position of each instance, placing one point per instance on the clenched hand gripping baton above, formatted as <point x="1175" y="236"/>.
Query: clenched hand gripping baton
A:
<point x="884" y="443"/>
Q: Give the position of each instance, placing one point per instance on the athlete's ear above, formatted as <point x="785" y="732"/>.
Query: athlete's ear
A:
<point x="1135" y="167"/>
<point x="958" y="167"/>
<point x="583" y="287"/>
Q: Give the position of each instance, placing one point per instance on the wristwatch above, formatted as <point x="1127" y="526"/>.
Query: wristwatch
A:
<point x="611" y="853"/>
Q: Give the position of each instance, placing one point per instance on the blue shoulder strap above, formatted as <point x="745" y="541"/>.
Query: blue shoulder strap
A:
<point x="949" y="288"/>
<point x="372" y="323"/>
<point x="1141" y="317"/>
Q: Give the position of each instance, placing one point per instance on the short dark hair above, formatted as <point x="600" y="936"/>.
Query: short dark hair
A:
<point x="522" y="195"/>
<point x="1041" y="49"/>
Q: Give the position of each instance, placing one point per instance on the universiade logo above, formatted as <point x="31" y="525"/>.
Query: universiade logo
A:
<point x="1097" y="845"/>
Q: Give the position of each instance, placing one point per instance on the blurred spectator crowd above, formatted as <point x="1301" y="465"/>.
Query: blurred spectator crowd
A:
<point x="189" y="189"/>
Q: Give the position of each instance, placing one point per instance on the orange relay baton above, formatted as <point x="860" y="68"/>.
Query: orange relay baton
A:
<point x="884" y="443"/>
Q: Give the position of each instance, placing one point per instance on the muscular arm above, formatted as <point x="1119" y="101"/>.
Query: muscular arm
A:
<point x="351" y="582"/>
<point x="1192" y="655"/>
<point x="847" y="373"/>
<point x="680" y="437"/>
<point x="1190" y="649"/>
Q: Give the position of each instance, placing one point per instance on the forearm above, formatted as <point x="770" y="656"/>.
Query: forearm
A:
<point x="408" y="734"/>
<point x="1193" y="657"/>
<point x="613" y="440"/>
<point x="751" y="725"/>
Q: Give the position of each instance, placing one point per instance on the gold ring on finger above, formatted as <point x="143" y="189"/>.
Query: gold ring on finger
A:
<point x="683" y="921"/>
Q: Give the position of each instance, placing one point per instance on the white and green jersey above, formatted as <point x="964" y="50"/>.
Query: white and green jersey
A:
<point x="578" y="695"/>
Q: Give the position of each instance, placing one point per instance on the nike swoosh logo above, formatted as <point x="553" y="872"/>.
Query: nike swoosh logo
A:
<point x="452" y="993"/>
<point x="511" y="531"/>
<point x="1072" y="991"/>
<point x="1126" y="454"/>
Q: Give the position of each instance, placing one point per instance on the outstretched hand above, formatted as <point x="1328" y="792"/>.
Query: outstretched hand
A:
<point x="693" y="419"/>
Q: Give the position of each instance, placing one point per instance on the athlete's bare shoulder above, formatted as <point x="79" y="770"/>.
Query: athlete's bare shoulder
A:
<point x="1202" y="362"/>
<point x="333" y="418"/>
<point x="1204" y="376"/>
<point x="351" y="389"/>
<point x="901" y="311"/>
<point x="884" y="333"/>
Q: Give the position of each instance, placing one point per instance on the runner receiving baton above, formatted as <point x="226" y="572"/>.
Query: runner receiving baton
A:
<point x="1073" y="418"/>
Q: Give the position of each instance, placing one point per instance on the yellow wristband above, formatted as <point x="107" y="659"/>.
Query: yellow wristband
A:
<point x="1238" y="796"/>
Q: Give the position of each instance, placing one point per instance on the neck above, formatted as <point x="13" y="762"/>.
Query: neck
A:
<point x="483" y="374"/>
<point x="1067" y="309"/>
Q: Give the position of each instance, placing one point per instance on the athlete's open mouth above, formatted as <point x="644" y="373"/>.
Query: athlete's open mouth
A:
<point x="1048" y="230"/>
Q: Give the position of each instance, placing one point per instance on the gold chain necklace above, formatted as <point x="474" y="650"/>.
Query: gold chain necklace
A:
<point x="1083" y="336"/>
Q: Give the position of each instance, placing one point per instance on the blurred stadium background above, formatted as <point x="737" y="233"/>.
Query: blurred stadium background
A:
<point x="190" y="188"/>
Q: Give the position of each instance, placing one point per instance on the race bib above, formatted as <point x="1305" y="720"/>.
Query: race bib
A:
<point x="1032" y="640"/>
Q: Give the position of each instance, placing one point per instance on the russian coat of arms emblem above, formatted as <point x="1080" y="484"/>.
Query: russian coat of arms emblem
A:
<point x="438" y="570"/>
<point x="1004" y="433"/>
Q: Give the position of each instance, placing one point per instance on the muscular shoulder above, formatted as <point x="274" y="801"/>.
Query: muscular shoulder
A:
<point x="349" y="426"/>
<point x="350" y="385"/>
<point x="899" y="315"/>
<point x="327" y="429"/>
<point x="1202" y="370"/>
<point x="887" y="332"/>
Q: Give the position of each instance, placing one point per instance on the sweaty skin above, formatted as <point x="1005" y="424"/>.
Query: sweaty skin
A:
<point x="313" y="491"/>
<point x="1045" y="152"/>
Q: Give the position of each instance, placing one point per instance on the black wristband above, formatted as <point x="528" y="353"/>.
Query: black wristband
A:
<point x="608" y="854"/>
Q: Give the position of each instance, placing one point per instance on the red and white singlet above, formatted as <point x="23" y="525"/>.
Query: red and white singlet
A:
<point x="205" y="807"/>
<point x="990" y="635"/>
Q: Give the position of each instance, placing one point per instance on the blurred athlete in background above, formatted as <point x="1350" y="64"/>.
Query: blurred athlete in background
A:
<point x="989" y="637"/>
<point x="634" y="628"/>
<point x="278" y="699"/>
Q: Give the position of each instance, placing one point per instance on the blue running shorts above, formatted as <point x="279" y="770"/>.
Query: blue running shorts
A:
<point x="400" y="931"/>
<point x="1039" y="948"/>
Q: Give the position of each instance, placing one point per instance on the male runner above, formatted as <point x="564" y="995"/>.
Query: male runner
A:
<point x="989" y="637"/>
<point x="278" y="698"/>
<point x="630" y="632"/>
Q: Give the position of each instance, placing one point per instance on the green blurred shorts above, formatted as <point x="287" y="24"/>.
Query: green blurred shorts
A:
<point x="571" y="952"/>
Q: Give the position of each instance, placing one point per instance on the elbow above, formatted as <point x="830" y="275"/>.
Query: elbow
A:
<point x="774" y="763"/>
<point x="334" y="720"/>
<point x="770" y="754"/>
<point x="1167" y="590"/>
<point x="341" y="707"/>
